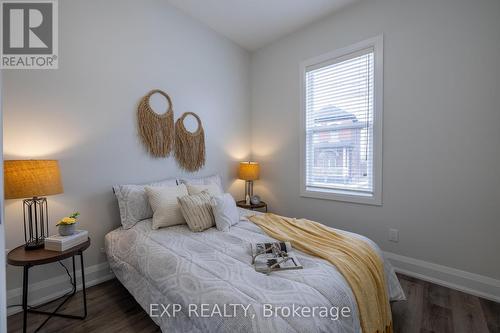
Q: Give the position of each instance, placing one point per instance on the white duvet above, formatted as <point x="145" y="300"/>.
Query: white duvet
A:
<point x="204" y="282"/>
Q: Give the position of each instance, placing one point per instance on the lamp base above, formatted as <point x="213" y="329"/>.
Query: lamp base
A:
<point x="249" y="188"/>
<point x="35" y="244"/>
<point x="36" y="226"/>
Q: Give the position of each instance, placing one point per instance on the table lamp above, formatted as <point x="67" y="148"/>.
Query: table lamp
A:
<point x="248" y="171"/>
<point x="33" y="179"/>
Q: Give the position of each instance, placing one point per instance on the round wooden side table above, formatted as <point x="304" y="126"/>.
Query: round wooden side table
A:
<point x="29" y="258"/>
<point x="260" y="205"/>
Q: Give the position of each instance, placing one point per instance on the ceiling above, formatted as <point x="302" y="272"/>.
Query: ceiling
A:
<point x="255" y="23"/>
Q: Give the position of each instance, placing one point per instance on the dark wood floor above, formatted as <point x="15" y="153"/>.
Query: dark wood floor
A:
<point x="432" y="308"/>
<point x="429" y="308"/>
<point x="110" y="309"/>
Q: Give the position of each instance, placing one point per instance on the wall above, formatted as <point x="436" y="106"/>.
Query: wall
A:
<point x="84" y="114"/>
<point x="3" y="285"/>
<point x="441" y="129"/>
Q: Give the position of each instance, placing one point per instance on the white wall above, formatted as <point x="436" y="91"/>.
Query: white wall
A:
<point x="84" y="114"/>
<point x="441" y="158"/>
<point x="3" y="285"/>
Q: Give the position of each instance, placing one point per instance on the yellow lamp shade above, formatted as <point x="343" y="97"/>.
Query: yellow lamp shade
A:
<point x="31" y="178"/>
<point x="249" y="171"/>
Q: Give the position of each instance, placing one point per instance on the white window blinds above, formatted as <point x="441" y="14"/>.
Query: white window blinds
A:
<point x="339" y="120"/>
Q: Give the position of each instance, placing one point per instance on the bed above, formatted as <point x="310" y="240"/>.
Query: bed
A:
<point x="211" y="270"/>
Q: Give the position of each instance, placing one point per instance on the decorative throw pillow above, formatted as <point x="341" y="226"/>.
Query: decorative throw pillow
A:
<point x="214" y="179"/>
<point x="226" y="213"/>
<point x="163" y="201"/>
<point x="133" y="201"/>
<point x="212" y="189"/>
<point x="197" y="211"/>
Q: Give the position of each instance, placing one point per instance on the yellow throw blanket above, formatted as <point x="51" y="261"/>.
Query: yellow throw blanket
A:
<point x="355" y="259"/>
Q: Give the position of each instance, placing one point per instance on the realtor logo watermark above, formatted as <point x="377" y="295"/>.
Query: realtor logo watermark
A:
<point x="29" y="34"/>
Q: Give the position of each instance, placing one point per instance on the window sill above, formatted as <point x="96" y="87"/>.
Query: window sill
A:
<point x="343" y="196"/>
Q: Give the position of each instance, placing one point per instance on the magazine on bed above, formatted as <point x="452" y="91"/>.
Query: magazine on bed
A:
<point x="277" y="256"/>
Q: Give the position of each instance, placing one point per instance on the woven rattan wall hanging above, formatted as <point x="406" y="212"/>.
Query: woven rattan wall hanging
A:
<point x="189" y="146"/>
<point x="156" y="130"/>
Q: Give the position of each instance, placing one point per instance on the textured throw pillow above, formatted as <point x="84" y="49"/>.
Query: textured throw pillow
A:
<point x="133" y="201"/>
<point x="226" y="213"/>
<point x="163" y="201"/>
<point x="214" y="179"/>
<point x="212" y="189"/>
<point x="197" y="211"/>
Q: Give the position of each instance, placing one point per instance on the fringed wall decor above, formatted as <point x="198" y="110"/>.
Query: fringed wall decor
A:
<point x="156" y="130"/>
<point x="189" y="146"/>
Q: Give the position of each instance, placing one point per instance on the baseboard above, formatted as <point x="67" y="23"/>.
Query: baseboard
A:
<point x="50" y="289"/>
<point x="471" y="283"/>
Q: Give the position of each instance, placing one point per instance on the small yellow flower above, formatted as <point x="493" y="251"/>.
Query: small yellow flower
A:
<point x="68" y="220"/>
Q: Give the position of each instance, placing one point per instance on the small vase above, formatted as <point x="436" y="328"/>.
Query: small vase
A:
<point x="67" y="229"/>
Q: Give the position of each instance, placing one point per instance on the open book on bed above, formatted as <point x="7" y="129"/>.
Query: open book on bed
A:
<point x="276" y="256"/>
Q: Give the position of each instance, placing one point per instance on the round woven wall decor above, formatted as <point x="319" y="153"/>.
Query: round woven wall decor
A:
<point x="156" y="130"/>
<point x="189" y="146"/>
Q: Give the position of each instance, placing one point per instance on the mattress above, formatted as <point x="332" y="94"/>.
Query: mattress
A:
<point x="204" y="282"/>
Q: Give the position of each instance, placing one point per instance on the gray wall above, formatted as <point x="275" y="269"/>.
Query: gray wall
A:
<point x="3" y="285"/>
<point x="83" y="114"/>
<point x="441" y="158"/>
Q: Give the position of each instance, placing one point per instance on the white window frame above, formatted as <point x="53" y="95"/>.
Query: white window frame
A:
<point x="374" y="198"/>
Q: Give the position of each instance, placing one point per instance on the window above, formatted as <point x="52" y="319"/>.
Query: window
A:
<point x="342" y="124"/>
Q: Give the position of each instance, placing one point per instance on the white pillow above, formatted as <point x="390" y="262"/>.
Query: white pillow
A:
<point x="163" y="201"/>
<point x="133" y="201"/>
<point x="214" y="179"/>
<point x="225" y="212"/>
<point x="212" y="189"/>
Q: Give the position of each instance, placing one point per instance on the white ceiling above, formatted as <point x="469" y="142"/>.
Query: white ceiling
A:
<point x="255" y="23"/>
